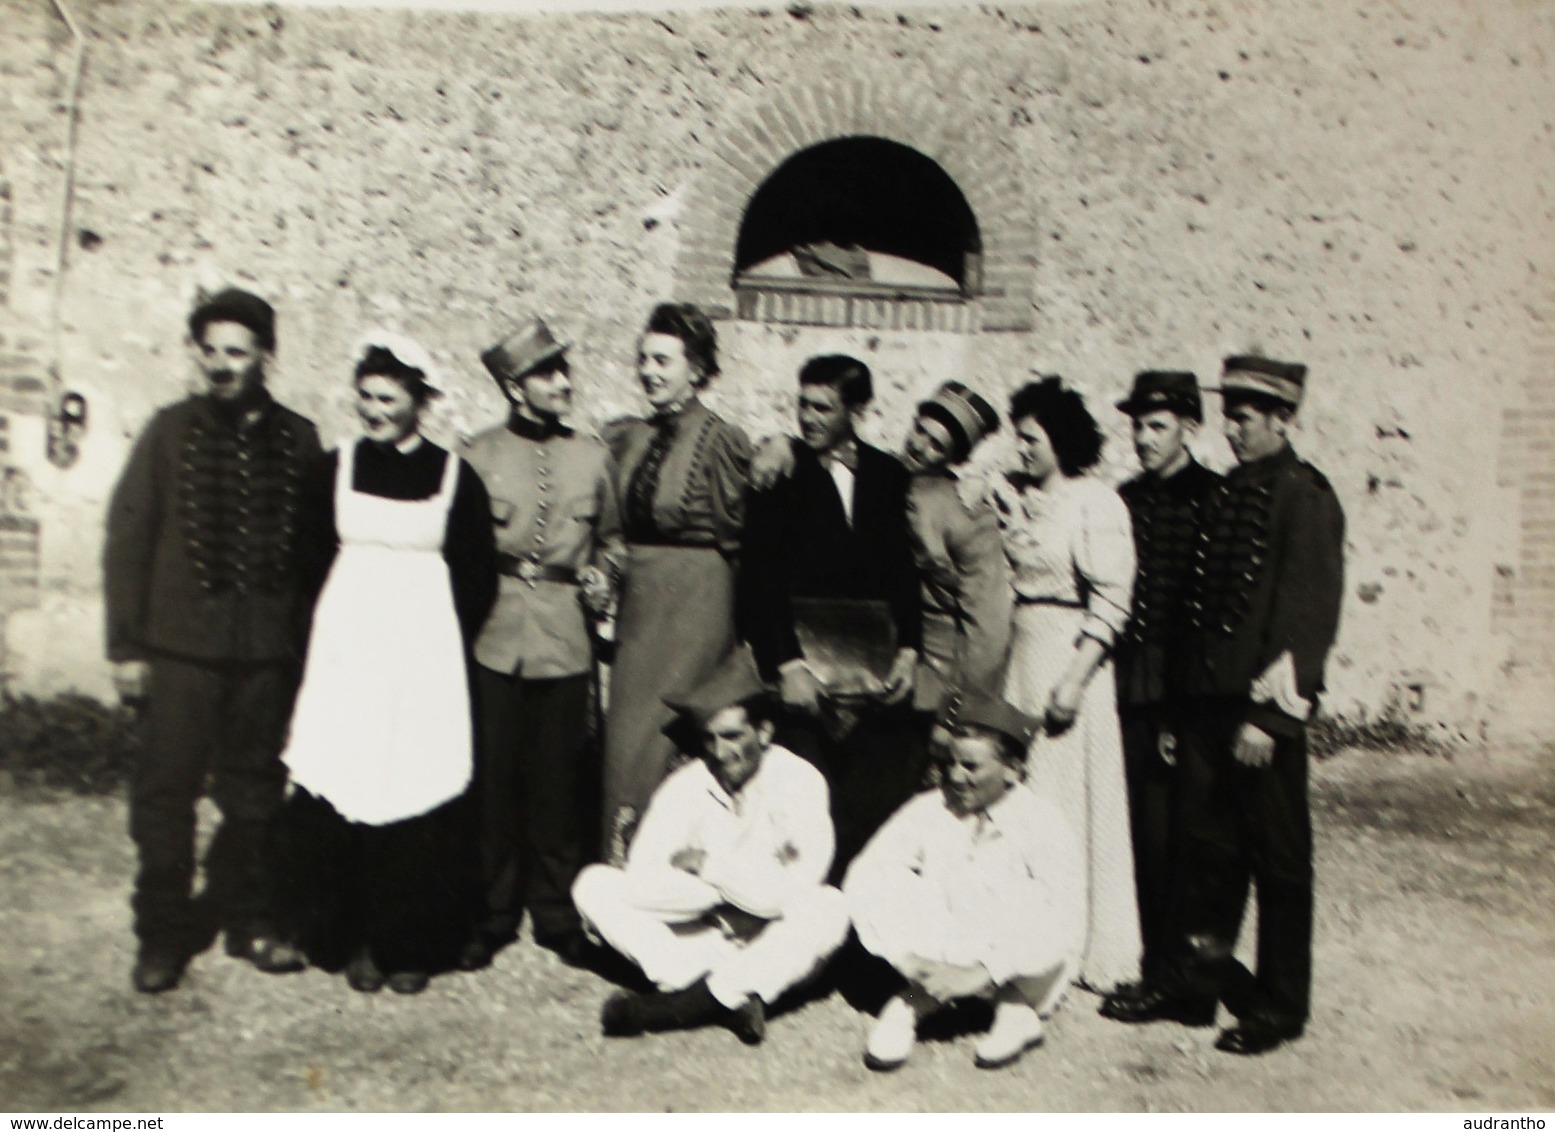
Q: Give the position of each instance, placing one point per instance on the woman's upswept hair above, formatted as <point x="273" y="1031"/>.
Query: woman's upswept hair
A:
<point x="1063" y="416"/>
<point x="695" y="331"/>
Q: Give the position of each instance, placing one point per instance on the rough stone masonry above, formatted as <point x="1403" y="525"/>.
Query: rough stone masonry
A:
<point x="1361" y="187"/>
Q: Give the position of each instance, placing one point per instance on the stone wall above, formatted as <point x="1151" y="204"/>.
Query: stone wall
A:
<point x="1157" y="184"/>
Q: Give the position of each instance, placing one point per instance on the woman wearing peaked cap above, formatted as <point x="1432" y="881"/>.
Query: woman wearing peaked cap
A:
<point x="966" y="590"/>
<point x="967" y="595"/>
<point x="397" y="536"/>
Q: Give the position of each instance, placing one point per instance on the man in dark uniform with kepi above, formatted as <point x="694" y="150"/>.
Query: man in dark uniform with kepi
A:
<point x="204" y="621"/>
<point x="1167" y="503"/>
<point x="1264" y="610"/>
<point x="558" y="526"/>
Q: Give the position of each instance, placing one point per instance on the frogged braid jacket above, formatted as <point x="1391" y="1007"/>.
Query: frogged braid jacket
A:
<point x="1268" y="580"/>
<point x="1167" y="516"/>
<point x="198" y="561"/>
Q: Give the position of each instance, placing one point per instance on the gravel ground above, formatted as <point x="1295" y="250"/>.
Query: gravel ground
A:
<point x="1435" y="991"/>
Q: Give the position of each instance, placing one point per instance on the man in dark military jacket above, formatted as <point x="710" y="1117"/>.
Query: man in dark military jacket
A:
<point x="203" y="621"/>
<point x="1167" y="503"/>
<point x="1264" y="609"/>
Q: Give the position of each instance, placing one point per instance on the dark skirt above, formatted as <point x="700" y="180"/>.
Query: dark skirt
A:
<point x="405" y="891"/>
<point x="676" y="624"/>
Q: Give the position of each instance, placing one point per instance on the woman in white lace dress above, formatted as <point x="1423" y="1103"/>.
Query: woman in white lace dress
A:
<point x="1069" y="542"/>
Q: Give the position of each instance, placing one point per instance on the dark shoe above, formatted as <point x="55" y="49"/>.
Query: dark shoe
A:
<point x="621" y="1016"/>
<point x="271" y="954"/>
<point x="158" y="967"/>
<point x="1252" y="1038"/>
<point x="572" y="948"/>
<point x="628" y="1014"/>
<point x="1156" y="1004"/>
<point x="409" y="982"/>
<point x="476" y="955"/>
<point x="748" y="1021"/>
<point x="362" y="974"/>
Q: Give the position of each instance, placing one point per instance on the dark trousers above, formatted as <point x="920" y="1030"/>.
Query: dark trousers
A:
<point x="1245" y="824"/>
<point x="1155" y="822"/>
<point x="402" y="890"/>
<point x="537" y="786"/>
<point x="225" y="722"/>
<point x="871" y="770"/>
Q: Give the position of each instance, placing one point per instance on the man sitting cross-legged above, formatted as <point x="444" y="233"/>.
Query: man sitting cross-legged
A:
<point x="722" y="901"/>
<point x="968" y="892"/>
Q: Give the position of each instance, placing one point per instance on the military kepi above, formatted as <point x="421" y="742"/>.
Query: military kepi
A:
<point x="967" y="416"/>
<point x="734" y="680"/>
<point x="979" y="709"/>
<point x="1245" y="373"/>
<point x="1155" y="390"/>
<point x="523" y="350"/>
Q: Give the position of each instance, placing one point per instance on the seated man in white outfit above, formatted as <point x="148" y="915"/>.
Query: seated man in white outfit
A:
<point x="971" y="891"/>
<point x="722" y="901"/>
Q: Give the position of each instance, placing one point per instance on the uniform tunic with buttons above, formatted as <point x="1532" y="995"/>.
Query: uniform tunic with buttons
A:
<point x="554" y="505"/>
<point x="1268" y="580"/>
<point x="201" y="528"/>
<point x="556" y="512"/>
<point x="199" y="581"/>
<point x="1168" y="514"/>
<point x="1264" y="606"/>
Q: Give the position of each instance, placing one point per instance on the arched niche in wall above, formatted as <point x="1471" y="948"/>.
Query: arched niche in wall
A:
<point x="858" y="231"/>
<point x="828" y="169"/>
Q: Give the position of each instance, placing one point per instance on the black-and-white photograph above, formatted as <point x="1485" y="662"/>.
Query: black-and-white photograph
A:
<point x="637" y="556"/>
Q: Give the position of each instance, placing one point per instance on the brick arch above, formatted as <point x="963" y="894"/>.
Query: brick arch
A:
<point x="964" y="144"/>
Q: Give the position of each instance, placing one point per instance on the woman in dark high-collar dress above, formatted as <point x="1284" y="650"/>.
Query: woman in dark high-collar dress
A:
<point x="681" y="476"/>
<point x="395" y="533"/>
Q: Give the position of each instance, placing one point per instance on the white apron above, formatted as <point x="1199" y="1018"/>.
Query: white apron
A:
<point x="382" y="724"/>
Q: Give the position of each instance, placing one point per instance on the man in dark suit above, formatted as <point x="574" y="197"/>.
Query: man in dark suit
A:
<point x="837" y="528"/>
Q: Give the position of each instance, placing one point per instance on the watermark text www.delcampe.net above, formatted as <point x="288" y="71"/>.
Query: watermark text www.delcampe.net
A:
<point x="90" y="1123"/>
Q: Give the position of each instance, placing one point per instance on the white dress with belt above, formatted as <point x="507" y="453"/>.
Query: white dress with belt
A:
<point x="1071" y="547"/>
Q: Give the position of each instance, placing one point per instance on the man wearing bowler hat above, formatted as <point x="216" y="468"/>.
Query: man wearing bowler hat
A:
<point x="204" y="622"/>
<point x="1167" y="503"/>
<point x="558" y="528"/>
<point x="1263" y="610"/>
<point x="966" y="891"/>
<point x="722" y="901"/>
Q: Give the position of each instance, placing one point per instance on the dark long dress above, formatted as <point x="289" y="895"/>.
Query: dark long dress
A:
<point x="682" y="485"/>
<point x="401" y="888"/>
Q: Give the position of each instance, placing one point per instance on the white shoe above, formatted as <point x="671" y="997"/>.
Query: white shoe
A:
<point x="891" y="1039"/>
<point x="1016" y="1028"/>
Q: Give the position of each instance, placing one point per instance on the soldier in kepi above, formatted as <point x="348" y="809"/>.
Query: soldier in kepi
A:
<point x="1263" y="610"/>
<point x="558" y="522"/>
<point x="204" y="622"/>
<point x="1167" y="502"/>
